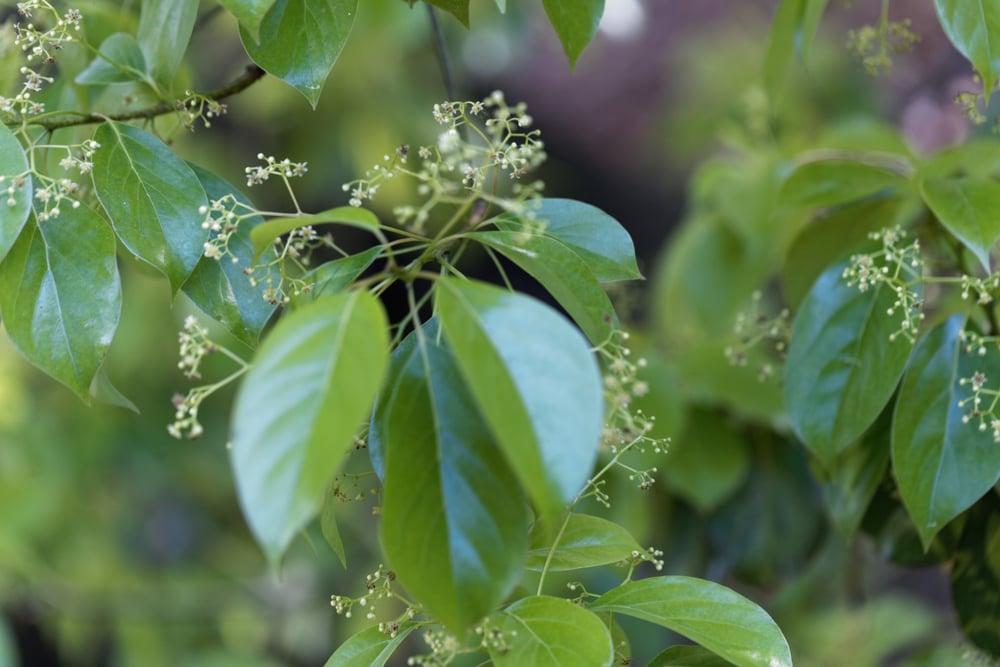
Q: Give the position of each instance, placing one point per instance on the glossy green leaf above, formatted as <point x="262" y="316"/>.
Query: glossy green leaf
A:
<point x="336" y="275"/>
<point x="855" y="476"/>
<point x="942" y="465"/>
<point x="311" y="384"/>
<point x="792" y="31"/>
<point x="831" y="182"/>
<point x="707" y="462"/>
<point x="328" y="522"/>
<point x="975" y="577"/>
<point x="220" y="287"/>
<point x="119" y="60"/>
<point x="969" y="208"/>
<point x="60" y="296"/>
<point x="264" y="235"/>
<point x="457" y="8"/>
<point x="564" y="274"/>
<point x="369" y="648"/>
<point x="591" y="233"/>
<point x="152" y="198"/>
<point x="250" y="13"/>
<point x="454" y="527"/>
<point x="842" y="367"/>
<point x="544" y="631"/>
<point x="973" y="26"/>
<point x="14" y="170"/>
<point x="688" y="656"/>
<point x="714" y="616"/>
<point x="535" y="380"/>
<point x="586" y="541"/>
<point x="575" y="21"/>
<point x="300" y="40"/>
<point x="165" y="28"/>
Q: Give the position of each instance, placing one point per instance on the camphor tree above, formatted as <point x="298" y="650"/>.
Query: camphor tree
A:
<point x="489" y="417"/>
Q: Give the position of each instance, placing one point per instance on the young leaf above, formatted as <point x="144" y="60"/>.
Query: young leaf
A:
<point x="975" y="577"/>
<point x="714" y="616"/>
<point x="564" y="274"/>
<point x="119" y="60"/>
<point x="328" y="523"/>
<point x="17" y="186"/>
<point x="855" y="477"/>
<point x="575" y="22"/>
<point x="300" y="40"/>
<point x="165" y="28"/>
<point x="842" y="367"/>
<point x="220" y="287"/>
<point x="591" y="233"/>
<point x="104" y="391"/>
<point x="338" y="274"/>
<point x="942" y="465"/>
<point x="688" y="656"/>
<point x="586" y="541"/>
<point x="831" y="182"/>
<point x="535" y="381"/>
<point x="310" y="387"/>
<point x="544" y="631"/>
<point x="263" y="235"/>
<point x="454" y="526"/>
<point x="369" y="648"/>
<point x="973" y="26"/>
<point x="969" y="208"/>
<point x="792" y="31"/>
<point x="152" y="198"/>
<point x="250" y="13"/>
<point x="60" y="296"/>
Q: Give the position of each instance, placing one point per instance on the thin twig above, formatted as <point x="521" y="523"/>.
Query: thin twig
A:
<point x="441" y="49"/>
<point x="251" y="75"/>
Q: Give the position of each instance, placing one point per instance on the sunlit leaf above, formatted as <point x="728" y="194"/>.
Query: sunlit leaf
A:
<point x="165" y="28"/>
<point x="17" y="186"/>
<point x="369" y="648"/>
<point x="586" y="541"/>
<point x="542" y="631"/>
<point x="263" y="235"/>
<point x="250" y="13"/>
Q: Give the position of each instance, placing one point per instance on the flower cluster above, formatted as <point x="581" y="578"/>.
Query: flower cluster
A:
<point x="753" y="328"/>
<point x="11" y="186"/>
<point x="485" y="149"/>
<point x="222" y="218"/>
<point x="444" y="648"/>
<point x="985" y="414"/>
<point x="197" y="107"/>
<point x="876" y="44"/>
<point x="378" y="589"/>
<point x="39" y="44"/>
<point x="283" y="169"/>
<point x="898" y="266"/>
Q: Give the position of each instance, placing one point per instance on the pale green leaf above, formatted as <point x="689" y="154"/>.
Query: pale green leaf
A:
<point x="543" y="631"/>
<point x="17" y="186"/>
<point x="264" y="235"/>
<point x="336" y="275"/>
<point x="688" y="656"/>
<point x="328" y="522"/>
<point x="586" y="541"/>
<point x="575" y="21"/>
<point x="707" y="462"/>
<point x="311" y="384"/>
<point x="969" y="207"/>
<point x="165" y="28"/>
<point x="250" y="13"/>
<point x="119" y="60"/>
<point x="973" y="26"/>
<point x="830" y="182"/>
<point x="369" y="648"/>
<point x="792" y="32"/>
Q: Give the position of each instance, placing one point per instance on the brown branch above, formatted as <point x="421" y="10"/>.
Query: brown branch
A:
<point x="251" y="75"/>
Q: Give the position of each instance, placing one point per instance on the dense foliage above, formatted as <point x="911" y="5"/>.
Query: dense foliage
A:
<point x="859" y="276"/>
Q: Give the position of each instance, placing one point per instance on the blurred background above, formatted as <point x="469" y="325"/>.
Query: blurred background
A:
<point x="120" y="546"/>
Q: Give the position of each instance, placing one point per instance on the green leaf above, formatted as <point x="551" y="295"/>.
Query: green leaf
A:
<point x="220" y="287"/>
<point x="457" y="8"/>
<point x="300" y="41"/>
<point x="542" y="631"/>
<point x="714" y="616"/>
<point x="688" y="656"/>
<point x="942" y="465"/>
<point x="707" y="463"/>
<point x="119" y="60"/>
<point x="586" y="541"/>
<point x="152" y="198"/>
<point x="311" y="384"/>
<point x="14" y="170"/>
<point x="575" y="22"/>
<point x="975" y="578"/>
<point x="328" y="522"/>
<point x="842" y="367"/>
<point x="165" y="28"/>
<point x="502" y="6"/>
<point x="589" y="232"/>
<point x="338" y="274"/>
<point x="369" y="648"/>
<point x="264" y="235"/>
<point x="60" y="296"/>
<point x="564" y="274"/>
<point x="535" y="380"/>
<point x="104" y="391"/>
<point x="973" y="26"/>
<point x="831" y="182"/>
<point x="969" y="208"/>
<point x="454" y="527"/>
<point x="250" y="13"/>
<point x="855" y="476"/>
<point x="793" y="29"/>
